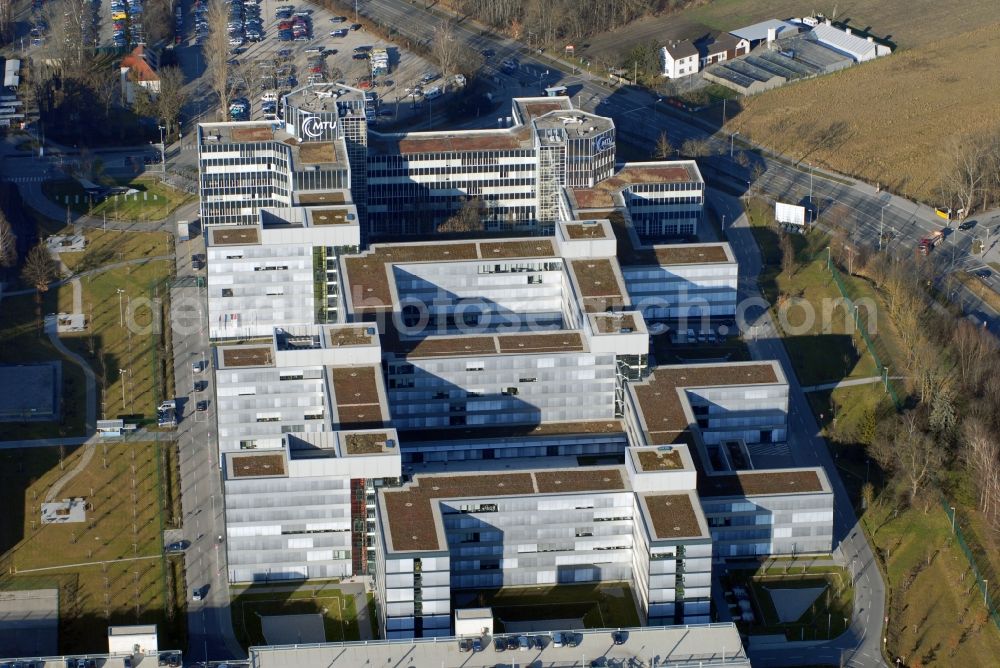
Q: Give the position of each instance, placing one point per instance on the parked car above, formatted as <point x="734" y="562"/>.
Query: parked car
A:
<point x="202" y="406"/>
<point x="619" y="637"/>
<point x="355" y="26"/>
<point x="197" y="594"/>
<point x="338" y="19"/>
<point x="464" y="645"/>
<point x="338" y="33"/>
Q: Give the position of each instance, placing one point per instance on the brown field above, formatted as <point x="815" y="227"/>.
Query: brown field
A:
<point x="885" y="122"/>
<point x="889" y="121"/>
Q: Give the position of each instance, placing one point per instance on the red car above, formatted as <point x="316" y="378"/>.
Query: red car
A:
<point x="285" y="25"/>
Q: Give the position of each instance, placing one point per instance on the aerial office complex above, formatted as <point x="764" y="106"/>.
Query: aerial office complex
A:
<point x="417" y="409"/>
<point x="410" y="183"/>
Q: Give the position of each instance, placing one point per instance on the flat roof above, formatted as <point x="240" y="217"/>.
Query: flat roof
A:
<point x="703" y="645"/>
<point x="573" y="123"/>
<point x="409" y="511"/>
<point x="349" y="336"/>
<point x="257" y="464"/>
<point x="247" y="356"/>
<point x="660" y="402"/>
<point x="668" y="254"/>
<point x="368" y="274"/>
<point x="366" y="444"/>
<point x="630" y="174"/>
<point x="330" y="216"/>
<point x="450" y="142"/>
<point x="657" y="460"/>
<point x="356" y="395"/>
<point x="613" y="323"/>
<point x="235" y="132"/>
<point x="597" y="279"/>
<point x="491" y="344"/>
<point x="533" y="107"/>
<point x="673" y="516"/>
<point x="331" y="197"/>
<point x="584" y="231"/>
<point x="312" y="153"/>
<point x="577" y="428"/>
<point x="761" y="483"/>
<point x="235" y="235"/>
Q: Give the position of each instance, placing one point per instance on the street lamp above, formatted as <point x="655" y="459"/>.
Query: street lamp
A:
<point x="163" y="151"/>
<point x="121" y="375"/>
<point x="121" y="310"/>
<point x="732" y="139"/>
<point x="952" y="519"/>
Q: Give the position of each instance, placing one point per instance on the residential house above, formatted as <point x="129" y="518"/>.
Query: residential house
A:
<point x="719" y="47"/>
<point x="679" y="59"/>
<point x="139" y="68"/>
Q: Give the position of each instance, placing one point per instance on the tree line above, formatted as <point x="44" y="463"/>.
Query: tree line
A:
<point x="549" y="21"/>
<point x="950" y="422"/>
<point x="971" y="172"/>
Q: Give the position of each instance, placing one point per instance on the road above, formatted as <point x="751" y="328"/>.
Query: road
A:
<point x="639" y="119"/>
<point x="860" y="644"/>
<point x="210" y="630"/>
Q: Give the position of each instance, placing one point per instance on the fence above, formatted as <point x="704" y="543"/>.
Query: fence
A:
<point x="873" y="345"/>
<point x="981" y="582"/>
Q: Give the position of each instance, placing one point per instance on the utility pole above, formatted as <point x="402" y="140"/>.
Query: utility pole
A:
<point x="881" y="222"/>
<point x="163" y="151"/>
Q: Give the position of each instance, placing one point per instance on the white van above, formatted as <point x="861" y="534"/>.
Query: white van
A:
<point x="269" y="96"/>
<point x="432" y="93"/>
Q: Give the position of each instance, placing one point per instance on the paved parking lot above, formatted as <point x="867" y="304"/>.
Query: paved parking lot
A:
<point x="405" y="68"/>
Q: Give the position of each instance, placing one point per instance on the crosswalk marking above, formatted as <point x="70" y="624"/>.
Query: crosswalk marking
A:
<point x="23" y="179"/>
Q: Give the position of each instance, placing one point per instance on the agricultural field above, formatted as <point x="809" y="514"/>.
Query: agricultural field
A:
<point x="886" y="122"/>
<point x="109" y="569"/>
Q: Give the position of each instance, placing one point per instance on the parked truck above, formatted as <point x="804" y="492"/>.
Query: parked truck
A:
<point x="183" y="230"/>
<point x="927" y="244"/>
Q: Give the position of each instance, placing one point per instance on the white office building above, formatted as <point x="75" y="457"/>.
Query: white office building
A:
<point x="279" y="272"/>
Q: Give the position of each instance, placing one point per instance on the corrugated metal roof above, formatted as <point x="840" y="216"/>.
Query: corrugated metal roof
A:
<point x="857" y="47"/>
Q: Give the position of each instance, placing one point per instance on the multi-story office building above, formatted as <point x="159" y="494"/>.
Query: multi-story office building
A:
<point x="248" y="165"/>
<point x="687" y="430"/>
<point x="304" y="439"/>
<point x="445" y="532"/>
<point x="518" y="177"/>
<point x="281" y="271"/>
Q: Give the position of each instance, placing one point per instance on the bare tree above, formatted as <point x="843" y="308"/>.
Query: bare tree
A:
<point x="965" y="174"/>
<point x="171" y="97"/>
<point x="982" y="455"/>
<point x="6" y="20"/>
<point x="106" y="85"/>
<point x="157" y="20"/>
<point x="8" y="243"/>
<point x="71" y="34"/>
<point x="664" y="149"/>
<point x="911" y="454"/>
<point x="446" y="49"/>
<point x="216" y="52"/>
<point x="974" y="349"/>
<point x="468" y="219"/>
<point x="696" y="148"/>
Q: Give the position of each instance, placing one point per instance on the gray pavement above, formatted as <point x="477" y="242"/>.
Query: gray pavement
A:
<point x="210" y="631"/>
<point x="859" y="646"/>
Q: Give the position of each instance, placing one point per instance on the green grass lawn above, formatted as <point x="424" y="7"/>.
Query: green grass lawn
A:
<point x="122" y="528"/>
<point x="22" y="341"/>
<point x="604" y="605"/>
<point x="339" y="611"/>
<point x="154" y="201"/>
<point x="109" y="347"/>
<point x="825" y="617"/>
<point x="936" y="611"/>
<point x="108" y="247"/>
